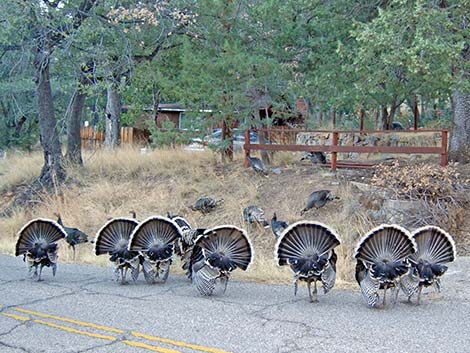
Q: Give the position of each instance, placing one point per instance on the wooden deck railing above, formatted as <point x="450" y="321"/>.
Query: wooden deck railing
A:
<point x="336" y="148"/>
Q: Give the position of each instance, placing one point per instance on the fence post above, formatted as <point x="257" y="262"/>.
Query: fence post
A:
<point x="334" y="153"/>
<point x="361" y="121"/>
<point x="444" y="148"/>
<point x="246" y="147"/>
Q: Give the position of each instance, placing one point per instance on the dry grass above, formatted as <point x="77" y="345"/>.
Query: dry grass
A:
<point x="114" y="183"/>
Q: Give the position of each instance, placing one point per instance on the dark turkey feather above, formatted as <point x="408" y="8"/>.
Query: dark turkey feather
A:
<point x="258" y="165"/>
<point x="74" y="235"/>
<point x="37" y="241"/>
<point x="218" y="252"/>
<point x="155" y="239"/>
<point x="382" y="260"/>
<point x="435" y="248"/>
<point x="113" y="239"/>
<point x="308" y="248"/>
<point x="278" y="226"/>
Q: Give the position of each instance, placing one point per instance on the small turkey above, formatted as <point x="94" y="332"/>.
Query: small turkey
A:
<point x="314" y="157"/>
<point x="382" y="259"/>
<point x="308" y="248"/>
<point x="435" y="248"/>
<point x="113" y="239"/>
<point x="255" y="215"/>
<point x="206" y="204"/>
<point x="155" y="238"/>
<point x="217" y="253"/>
<point x="318" y="199"/>
<point x="37" y="242"/>
<point x="74" y="235"/>
<point x="258" y="165"/>
<point x="278" y="226"/>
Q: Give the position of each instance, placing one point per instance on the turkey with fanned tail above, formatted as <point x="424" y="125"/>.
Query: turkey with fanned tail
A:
<point x="308" y="248"/>
<point x="37" y="242"/>
<point x="217" y="252"/>
<point x="382" y="259"/>
<point x="155" y="238"/>
<point x="113" y="239"/>
<point x="435" y="247"/>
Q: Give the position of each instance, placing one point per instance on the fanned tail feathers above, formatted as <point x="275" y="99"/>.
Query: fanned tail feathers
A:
<point x="114" y="235"/>
<point x="216" y="253"/>
<point x="155" y="239"/>
<point x="434" y="246"/>
<point x="38" y="231"/>
<point x="386" y="242"/>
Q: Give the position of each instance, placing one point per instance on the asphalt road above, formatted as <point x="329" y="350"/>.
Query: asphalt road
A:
<point x="83" y="310"/>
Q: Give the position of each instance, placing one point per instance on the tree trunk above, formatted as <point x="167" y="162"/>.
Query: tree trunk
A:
<point x="74" y="141"/>
<point x="263" y="139"/>
<point x="113" y="118"/>
<point x="227" y="134"/>
<point x="52" y="172"/>
<point x="459" y="145"/>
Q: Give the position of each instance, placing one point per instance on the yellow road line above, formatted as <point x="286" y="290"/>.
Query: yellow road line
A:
<point x="177" y="343"/>
<point x="118" y="331"/>
<point x="72" y="321"/>
<point x="150" y="347"/>
<point x="17" y="317"/>
<point x="72" y="330"/>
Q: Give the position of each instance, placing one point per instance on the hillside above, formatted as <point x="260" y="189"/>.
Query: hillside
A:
<point x="114" y="183"/>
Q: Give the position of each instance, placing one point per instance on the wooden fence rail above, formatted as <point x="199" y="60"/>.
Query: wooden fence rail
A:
<point x="336" y="148"/>
<point x="93" y="138"/>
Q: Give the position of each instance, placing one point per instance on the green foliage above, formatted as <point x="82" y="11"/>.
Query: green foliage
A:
<point x="168" y="135"/>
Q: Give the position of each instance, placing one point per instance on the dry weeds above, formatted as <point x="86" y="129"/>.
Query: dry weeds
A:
<point x="114" y="183"/>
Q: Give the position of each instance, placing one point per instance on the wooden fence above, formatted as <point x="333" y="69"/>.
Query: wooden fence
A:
<point x="336" y="147"/>
<point x="93" y="138"/>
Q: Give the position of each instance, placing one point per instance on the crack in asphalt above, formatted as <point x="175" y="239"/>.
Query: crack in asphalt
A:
<point x="3" y="344"/>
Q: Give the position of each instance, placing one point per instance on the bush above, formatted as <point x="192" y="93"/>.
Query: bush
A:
<point x="167" y="136"/>
<point x="440" y="191"/>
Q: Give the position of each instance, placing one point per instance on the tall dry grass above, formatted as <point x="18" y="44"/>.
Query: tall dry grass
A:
<point x="113" y="183"/>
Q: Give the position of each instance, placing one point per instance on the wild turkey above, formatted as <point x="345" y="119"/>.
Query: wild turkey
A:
<point x="382" y="259"/>
<point x="206" y="204"/>
<point x="314" y="157"/>
<point x="113" y="239"/>
<point x="308" y="248"/>
<point x="74" y="235"/>
<point x="155" y="239"/>
<point x="278" y="226"/>
<point x="258" y="165"/>
<point x="318" y="199"/>
<point x="37" y="242"/>
<point x="435" y="247"/>
<point x="185" y="244"/>
<point x="218" y="252"/>
<point x="255" y="215"/>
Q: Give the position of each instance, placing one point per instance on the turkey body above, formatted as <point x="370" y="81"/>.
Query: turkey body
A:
<point x="277" y="226"/>
<point x="155" y="239"/>
<point x="37" y="242"/>
<point x="318" y="199"/>
<point x="216" y="254"/>
<point x="258" y="165"/>
<point x="435" y="248"/>
<point x="206" y="204"/>
<point x="308" y="248"/>
<point x="382" y="260"/>
<point x="255" y="215"/>
<point x="113" y="239"/>
<point x="74" y="235"/>
<point x="315" y="157"/>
